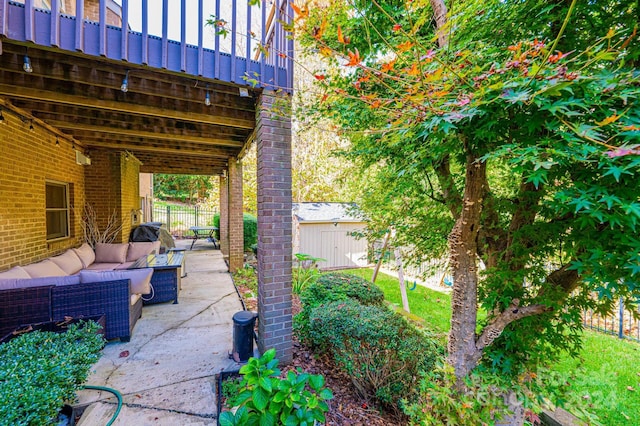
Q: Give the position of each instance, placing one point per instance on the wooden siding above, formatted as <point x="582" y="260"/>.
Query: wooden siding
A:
<point x="333" y="243"/>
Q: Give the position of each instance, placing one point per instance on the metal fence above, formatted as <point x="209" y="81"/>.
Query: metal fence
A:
<point x="178" y="219"/>
<point x="623" y="325"/>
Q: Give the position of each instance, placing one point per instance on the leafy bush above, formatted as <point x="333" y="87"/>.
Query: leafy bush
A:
<point x="331" y="287"/>
<point x="250" y="231"/>
<point x="250" y="223"/>
<point x="39" y="371"/>
<point x="266" y="399"/>
<point x="305" y="272"/>
<point x="381" y="352"/>
<point x="247" y="276"/>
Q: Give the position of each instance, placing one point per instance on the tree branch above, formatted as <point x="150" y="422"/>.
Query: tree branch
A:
<point x="452" y="197"/>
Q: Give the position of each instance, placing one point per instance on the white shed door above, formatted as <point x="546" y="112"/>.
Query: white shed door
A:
<point x="337" y="249"/>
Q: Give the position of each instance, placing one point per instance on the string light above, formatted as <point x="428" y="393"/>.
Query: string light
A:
<point x="31" y="128"/>
<point x="26" y="66"/>
<point x="57" y="142"/>
<point x="2" y="120"/>
<point x="125" y="83"/>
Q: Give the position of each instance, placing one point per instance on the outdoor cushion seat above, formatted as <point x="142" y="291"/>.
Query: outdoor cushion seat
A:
<point x="140" y="278"/>
<point x="68" y="261"/>
<point x="102" y="266"/>
<point x="111" y="253"/>
<point x="125" y="265"/>
<point x="86" y="254"/>
<point x="13" y="283"/>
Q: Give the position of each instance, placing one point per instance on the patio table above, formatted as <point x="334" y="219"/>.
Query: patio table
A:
<point x="204" y="232"/>
<point x="166" y="276"/>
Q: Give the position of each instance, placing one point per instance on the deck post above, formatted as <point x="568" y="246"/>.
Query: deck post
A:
<point x="273" y="138"/>
<point x="236" y="225"/>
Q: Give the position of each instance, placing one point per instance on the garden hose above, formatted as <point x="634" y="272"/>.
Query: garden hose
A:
<point x="113" y="391"/>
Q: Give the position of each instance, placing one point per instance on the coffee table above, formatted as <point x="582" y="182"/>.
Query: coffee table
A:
<point x="165" y="281"/>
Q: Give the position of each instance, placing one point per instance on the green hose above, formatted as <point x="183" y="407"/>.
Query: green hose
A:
<point x="113" y="391"/>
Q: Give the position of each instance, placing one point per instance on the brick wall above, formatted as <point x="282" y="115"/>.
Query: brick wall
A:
<point x="29" y="159"/>
<point x="112" y="187"/>
<point x="273" y="136"/>
<point x="224" y="216"/>
<point x="236" y="224"/>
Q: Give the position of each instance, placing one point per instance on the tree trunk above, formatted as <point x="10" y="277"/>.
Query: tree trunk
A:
<point x="403" y="286"/>
<point x="380" y="257"/>
<point x="463" y="354"/>
<point x="440" y="16"/>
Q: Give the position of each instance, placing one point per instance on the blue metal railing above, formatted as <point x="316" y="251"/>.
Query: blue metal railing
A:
<point x="244" y="43"/>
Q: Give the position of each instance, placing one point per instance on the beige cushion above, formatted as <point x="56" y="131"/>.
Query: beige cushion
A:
<point x="140" y="278"/>
<point x="135" y="298"/>
<point x="68" y="261"/>
<point x="46" y="268"/>
<point x="86" y="255"/>
<point x="37" y="282"/>
<point x="16" y="272"/>
<point x="99" y="266"/>
<point x="139" y="249"/>
<point x="111" y="253"/>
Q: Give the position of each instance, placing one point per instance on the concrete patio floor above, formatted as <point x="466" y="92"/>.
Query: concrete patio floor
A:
<point x="166" y="372"/>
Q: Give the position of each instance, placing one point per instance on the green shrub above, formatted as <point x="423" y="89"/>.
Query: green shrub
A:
<point x="39" y="371"/>
<point x="382" y="353"/>
<point x="266" y="399"/>
<point x="250" y="231"/>
<point x="250" y="223"/>
<point x="331" y="287"/>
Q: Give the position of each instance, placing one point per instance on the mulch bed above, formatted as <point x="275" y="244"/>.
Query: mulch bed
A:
<point x="347" y="407"/>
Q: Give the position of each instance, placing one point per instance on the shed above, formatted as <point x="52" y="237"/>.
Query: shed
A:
<point x="325" y="230"/>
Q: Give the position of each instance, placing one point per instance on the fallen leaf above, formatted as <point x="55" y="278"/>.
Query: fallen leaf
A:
<point x="124" y="354"/>
<point x="631" y="388"/>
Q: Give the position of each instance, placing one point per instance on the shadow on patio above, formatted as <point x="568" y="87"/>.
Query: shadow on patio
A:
<point x="166" y="372"/>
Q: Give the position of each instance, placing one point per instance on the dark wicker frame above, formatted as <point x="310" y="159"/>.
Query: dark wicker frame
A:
<point x="166" y="286"/>
<point x="19" y="307"/>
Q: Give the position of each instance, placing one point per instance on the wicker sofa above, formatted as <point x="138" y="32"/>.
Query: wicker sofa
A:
<point x="79" y="282"/>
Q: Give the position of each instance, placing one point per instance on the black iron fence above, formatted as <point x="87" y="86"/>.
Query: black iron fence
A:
<point x="623" y="324"/>
<point x="178" y="219"/>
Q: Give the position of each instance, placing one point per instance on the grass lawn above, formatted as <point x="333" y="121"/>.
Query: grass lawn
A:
<point x="605" y="373"/>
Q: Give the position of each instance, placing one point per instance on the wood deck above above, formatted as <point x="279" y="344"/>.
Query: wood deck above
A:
<point x="78" y="67"/>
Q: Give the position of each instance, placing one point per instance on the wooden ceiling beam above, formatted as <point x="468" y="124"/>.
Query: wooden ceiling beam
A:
<point x="108" y="105"/>
<point x="132" y="141"/>
<point x="177" y="152"/>
<point x="147" y="135"/>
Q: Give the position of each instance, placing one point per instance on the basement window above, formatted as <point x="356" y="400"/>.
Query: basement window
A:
<point x="57" y="199"/>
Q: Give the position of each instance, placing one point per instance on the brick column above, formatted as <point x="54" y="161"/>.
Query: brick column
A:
<point x="273" y="137"/>
<point x="236" y="225"/>
<point x="224" y="216"/>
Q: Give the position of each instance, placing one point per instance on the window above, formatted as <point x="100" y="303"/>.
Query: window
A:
<point x="57" y="199"/>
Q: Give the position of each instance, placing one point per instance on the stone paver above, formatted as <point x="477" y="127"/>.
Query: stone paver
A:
<point x="167" y="376"/>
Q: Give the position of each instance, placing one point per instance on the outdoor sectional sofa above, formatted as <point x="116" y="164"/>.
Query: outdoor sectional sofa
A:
<point x="79" y="283"/>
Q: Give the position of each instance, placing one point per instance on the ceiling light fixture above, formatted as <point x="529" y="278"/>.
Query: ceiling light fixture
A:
<point x="31" y="128"/>
<point x="57" y="142"/>
<point x="207" y="97"/>
<point x="26" y="66"/>
<point x="125" y="83"/>
<point x="2" y="120"/>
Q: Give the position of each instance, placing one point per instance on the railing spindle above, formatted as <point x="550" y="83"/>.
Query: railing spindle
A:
<point x="145" y="32"/>
<point x="234" y="39"/>
<point x="216" y="55"/>
<point x="55" y="23"/>
<point x="263" y="34"/>
<point x="247" y="67"/>
<point x="79" y="25"/>
<point x="28" y="20"/>
<point x="102" y="23"/>
<point x="200" y="33"/>
<point x="165" y="31"/>
<point x="124" y="44"/>
<point x="183" y="35"/>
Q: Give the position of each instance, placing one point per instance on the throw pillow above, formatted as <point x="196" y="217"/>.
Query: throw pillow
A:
<point x="111" y="253"/>
<point x="86" y="255"/>
<point x="139" y="249"/>
<point x="68" y="261"/>
<point x="46" y="268"/>
<point x="15" y="272"/>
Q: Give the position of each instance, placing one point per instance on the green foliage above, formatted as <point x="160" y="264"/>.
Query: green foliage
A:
<point x="250" y="231"/>
<point x="305" y="272"/>
<point x="250" y="224"/>
<point x="382" y="353"/>
<point x="247" y="277"/>
<point x="267" y="399"/>
<point x="331" y="287"/>
<point x="557" y="132"/>
<point x="39" y="371"/>
<point x="184" y="188"/>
